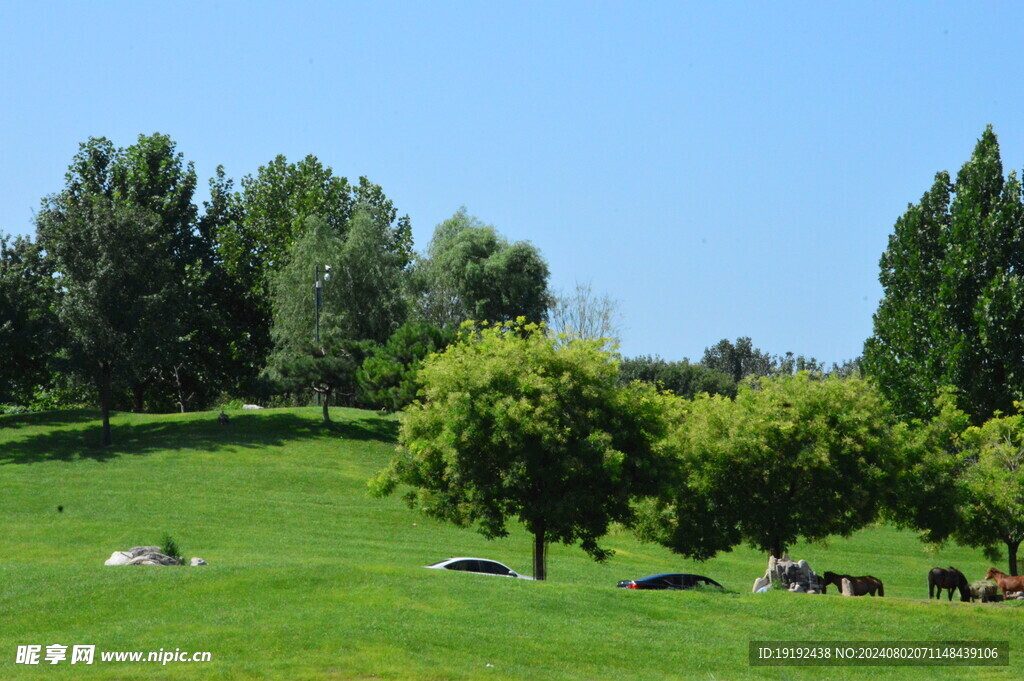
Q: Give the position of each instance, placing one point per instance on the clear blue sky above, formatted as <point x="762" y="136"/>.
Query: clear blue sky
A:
<point x="722" y="169"/>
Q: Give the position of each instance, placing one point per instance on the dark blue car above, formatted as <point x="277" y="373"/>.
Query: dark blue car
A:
<point x="670" y="581"/>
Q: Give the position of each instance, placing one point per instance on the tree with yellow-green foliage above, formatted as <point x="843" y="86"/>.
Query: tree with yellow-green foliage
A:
<point x="515" y="425"/>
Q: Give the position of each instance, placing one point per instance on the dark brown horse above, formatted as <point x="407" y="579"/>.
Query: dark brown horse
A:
<point x="1005" y="581"/>
<point x="860" y="585"/>
<point x="941" y="578"/>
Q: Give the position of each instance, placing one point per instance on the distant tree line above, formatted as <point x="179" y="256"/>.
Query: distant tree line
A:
<point x="133" y="297"/>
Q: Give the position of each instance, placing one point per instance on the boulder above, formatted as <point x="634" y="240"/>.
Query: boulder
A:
<point x="847" y="588"/>
<point x="789" y="574"/>
<point x="141" y="555"/>
<point x="196" y="562"/>
<point x="119" y="558"/>
<point x="251" y="406"/>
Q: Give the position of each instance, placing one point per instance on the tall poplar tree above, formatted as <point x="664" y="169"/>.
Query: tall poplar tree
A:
<point x="953" y="306"/>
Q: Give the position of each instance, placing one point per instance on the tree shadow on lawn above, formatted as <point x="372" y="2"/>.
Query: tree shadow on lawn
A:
<point x="385" y="430"/>
<point x="59" y="417"/>
<point x="244" y="430"/>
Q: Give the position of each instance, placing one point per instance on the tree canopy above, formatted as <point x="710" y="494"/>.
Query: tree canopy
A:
<point x="793" y="456"/>
<point x="515" y="426"/>
<point x="471" y="272"/>
<point x="952" y="313"/>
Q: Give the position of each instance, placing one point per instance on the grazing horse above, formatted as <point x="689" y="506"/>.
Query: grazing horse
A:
<point x="1005" y="581"/>
<point x="860" y="585"/>
<point x="941" y="578"/>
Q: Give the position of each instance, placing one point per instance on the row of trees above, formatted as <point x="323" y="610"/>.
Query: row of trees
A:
<point x="516" y="425"/>
<point x="933" y="439"/>
<point x="133" y="296"/>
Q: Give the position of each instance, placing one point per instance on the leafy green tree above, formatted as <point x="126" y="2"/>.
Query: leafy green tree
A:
<point x="363" y="301"/>
<point x="473" y="273"/>
<point x="368" y="298"/>
<point x="266" y="218"/>
<point x="793" y="456"/>
<point x="112" y="266"/>
<point x="682" y="378"/>
<point x="992" y="503"/>
<point x="328" y="368"/>
<point x="388" y="378"/>
<point x="739" y="360"/>
<point x="515" y="426"/>
<point x="152" y="176"/>
<point x="28" y="325"/>
<point x="953" y="306"/>
<point x="274" y="204"/>
<point x="147" y="178"/>
<point x="925" y="493"/>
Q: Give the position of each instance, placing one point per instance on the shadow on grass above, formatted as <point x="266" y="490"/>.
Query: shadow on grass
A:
<point x="385" y="430"/>
<point x="59" y="417"/>
<point x="133" y="439"/>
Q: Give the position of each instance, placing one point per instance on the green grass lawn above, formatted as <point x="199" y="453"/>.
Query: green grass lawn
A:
<point x="309" y="578"/>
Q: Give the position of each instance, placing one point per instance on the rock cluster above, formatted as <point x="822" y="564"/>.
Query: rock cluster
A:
<point x="146" y="555"/>
<point x="795" y="576"/>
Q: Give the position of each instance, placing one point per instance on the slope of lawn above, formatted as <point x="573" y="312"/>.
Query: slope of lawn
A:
<point x="309" y="578"/>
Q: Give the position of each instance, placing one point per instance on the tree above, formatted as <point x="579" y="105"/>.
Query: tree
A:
<point x="473" y="273"/>
<point x="368" y="299"/>
<point x="268" y="215"/>
<point x="389" y="378"/>
<point x="514" y="425"/>
<point x="739" y="360"/>
<point x="114" y="273"/>
<point x="274" y="204"/>
<point x="794" y="456"/>
<point x="583" y="314"/>
<point x="363" y="302"/>
<point x="952" y="312"/>
<point x="682" y="378"/>
<point x="28" y="325"/>
<point x="327" y="368"/>
<point x="992" y="505"/>
<point x="151" y="176"/>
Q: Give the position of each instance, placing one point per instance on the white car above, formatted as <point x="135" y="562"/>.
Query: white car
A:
<point x="480" y="566"/>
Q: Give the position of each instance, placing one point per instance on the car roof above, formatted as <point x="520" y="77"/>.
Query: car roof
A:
<point x="663" y="575"/>
<point x="450" y="560"/>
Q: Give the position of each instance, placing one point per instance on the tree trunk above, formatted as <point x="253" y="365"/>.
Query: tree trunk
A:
<point x="327" y="399"/>
<point x="105" y="372"/>
<point x="539" y="545"/>
<point x="138" y="392"/>
<point x="777" y="549"/>
<point x="1011" y="551"/>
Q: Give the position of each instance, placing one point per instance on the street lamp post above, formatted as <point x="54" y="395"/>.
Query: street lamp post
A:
<point x="318" y="301"/>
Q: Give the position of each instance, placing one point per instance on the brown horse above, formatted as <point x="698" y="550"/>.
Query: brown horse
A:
<point x="860" y="585"/>
<point x="941" y="578"/>
<point x="1005" y="581"/>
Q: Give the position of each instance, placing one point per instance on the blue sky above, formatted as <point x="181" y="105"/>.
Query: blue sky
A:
<point x="722" y="170"/>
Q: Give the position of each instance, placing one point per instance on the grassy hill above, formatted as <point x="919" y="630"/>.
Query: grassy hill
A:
<point x="309" y="578"/>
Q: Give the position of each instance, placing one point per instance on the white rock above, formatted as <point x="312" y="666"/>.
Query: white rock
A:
<point x="251" y="406"/>
<point x="847" y="587"/>
<point x="195" y="562"/>
<point x="119" y="558"/>
<point x="761" y="583"/>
